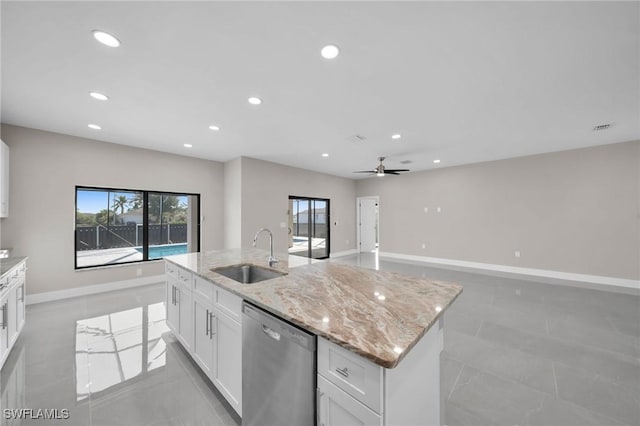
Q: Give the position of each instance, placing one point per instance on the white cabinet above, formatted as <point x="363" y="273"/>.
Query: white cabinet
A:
<point x="203" y="336"/>
<point x="336" y="407"/>
<point x="4" y="179"/>
<point x="206" y="319"/>
<point x="179" y="308"/>
<point x="354" y="391"/>
<point x="12" y="386"/>
<point x="12" y="314"/>
<point x="228" y="372"/>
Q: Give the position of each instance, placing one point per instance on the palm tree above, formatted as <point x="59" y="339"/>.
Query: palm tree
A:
<point x="120" y="202"/>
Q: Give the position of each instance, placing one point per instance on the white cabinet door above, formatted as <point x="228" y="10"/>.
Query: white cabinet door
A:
<point x="203" y="341"/>
<point x="185" y="332"/>
<point x="20" y="291"/>
<point x="228" y="375"/>
<point x="172" y="306"/>
<point x="337" y="408"/>
<point x="12" y="329"/>
<point x="4" y="327"/>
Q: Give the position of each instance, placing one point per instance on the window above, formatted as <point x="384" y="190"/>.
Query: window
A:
<point x="115" y="226"/>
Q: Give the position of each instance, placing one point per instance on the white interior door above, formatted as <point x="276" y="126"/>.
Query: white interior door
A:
<point x="368" y="224"/>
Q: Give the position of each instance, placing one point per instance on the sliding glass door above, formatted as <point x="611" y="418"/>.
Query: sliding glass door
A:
<point x="309" y="227"/>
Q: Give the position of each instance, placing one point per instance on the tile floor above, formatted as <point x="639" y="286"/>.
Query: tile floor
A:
<point x="526" y="353"/>
<point x="516" y="353"/>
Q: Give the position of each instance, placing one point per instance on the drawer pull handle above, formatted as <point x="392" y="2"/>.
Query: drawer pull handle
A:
<point x="208" y="324"/>
<point x="271" y="333"/>
<point x="343" y="371"/>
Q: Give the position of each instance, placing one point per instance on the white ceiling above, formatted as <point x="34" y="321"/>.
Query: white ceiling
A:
<point x="464" y="82"/>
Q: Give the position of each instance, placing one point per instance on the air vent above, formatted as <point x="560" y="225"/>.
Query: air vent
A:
<point x="602" y="127"/>
<point x="406" y="162"/>
<point x="356" y="138"/>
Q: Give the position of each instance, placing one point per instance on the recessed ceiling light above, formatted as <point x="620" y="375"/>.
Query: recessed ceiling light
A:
<point x="330" y="51"/>
<point x="325" y="155"/>
<point x="396" y="136"/>
<point x="99" y="96"/>
<point x="187" y="145"/>
<point x="94" y="127"/>
<point x="254" y="101"/>
<point x="106" y="38"/>
<point x="216" y="128"/>
<point x="436" y="161"/>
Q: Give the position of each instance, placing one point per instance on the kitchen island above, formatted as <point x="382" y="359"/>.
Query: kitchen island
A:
<point x="384" y="329"/>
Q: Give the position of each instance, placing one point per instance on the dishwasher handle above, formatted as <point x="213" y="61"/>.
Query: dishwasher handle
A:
<point x="271" y="332"/>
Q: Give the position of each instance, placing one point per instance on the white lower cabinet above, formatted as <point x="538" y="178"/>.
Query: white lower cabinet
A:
<point x="203" y="336"/>
<point x="12" y="314"/>
<point x="337" y="408"/>
<point x="228" y="372"/>
<point x="207" y="321"/>
<point x="354" y="391"/>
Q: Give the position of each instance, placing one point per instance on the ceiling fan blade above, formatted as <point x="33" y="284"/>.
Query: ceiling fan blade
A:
<point x="395" y="170"/>
<point x="365" y="171"/>
<point x="387" y="172"/>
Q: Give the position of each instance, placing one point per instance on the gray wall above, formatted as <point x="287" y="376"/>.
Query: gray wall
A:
<point x="573" y="211"/>
<point x="232" y="203"/>
<point x="45" y="167"/>
<point x="266" y="188"/>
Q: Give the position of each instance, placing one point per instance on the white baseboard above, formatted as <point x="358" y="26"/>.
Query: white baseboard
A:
<point x="50" y="296"/>
<point x="344" y="253"/>
<point x="547" y="276"/>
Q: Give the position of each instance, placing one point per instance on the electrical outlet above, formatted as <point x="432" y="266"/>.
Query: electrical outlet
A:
<point x="139" y="272"/>
<point x="426" y="209"/>
<point x="516" y="253"/>
<point x="439" y="209"/>
<point x="424" y="245"/>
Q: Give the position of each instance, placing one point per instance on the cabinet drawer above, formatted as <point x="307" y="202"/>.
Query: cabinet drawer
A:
<point x="171" y="269"/>
<point x="203" y="289"/>
<point x="229" y="303"/>
<point x="185" y="278"/>
<point x="357" y="376"/>
<point x="336" y="407"/>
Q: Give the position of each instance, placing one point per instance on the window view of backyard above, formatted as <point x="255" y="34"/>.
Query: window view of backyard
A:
<point x="111" y="226"/>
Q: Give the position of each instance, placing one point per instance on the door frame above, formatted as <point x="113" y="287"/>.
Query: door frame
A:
<point x="358" y="199"/>
<point x="328" y="218"/>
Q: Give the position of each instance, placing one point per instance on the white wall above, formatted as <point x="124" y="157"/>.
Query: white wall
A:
<point x="46" y="167"/>
<point x="266" y="188"/>
<point x="573" y="211"/>
<point x="232" y="203"/>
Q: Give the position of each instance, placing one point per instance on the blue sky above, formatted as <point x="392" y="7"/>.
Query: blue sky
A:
<point x="94" y="201"/>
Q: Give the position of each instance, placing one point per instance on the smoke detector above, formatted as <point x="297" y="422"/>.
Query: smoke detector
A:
<point x="602" y="127"/>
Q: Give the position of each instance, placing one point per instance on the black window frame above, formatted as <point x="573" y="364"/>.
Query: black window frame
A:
<point x="145" y="223"/>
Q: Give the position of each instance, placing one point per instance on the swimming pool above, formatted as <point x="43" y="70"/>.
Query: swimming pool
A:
<point x="156" y="252"/>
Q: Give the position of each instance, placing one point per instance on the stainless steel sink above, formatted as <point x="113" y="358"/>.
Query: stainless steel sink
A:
<point x="247" y="273"/>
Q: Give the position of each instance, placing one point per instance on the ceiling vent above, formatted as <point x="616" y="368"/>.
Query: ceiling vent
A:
<point x="406" y="162"/>
<point x="356" y="138"/>
<point x="602" y="127"/>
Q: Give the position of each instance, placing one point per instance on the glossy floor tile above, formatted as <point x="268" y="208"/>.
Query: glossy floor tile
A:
<point x="519" y="352"/>
<point x="109" y="360"/>
<point x="516" y="353"/>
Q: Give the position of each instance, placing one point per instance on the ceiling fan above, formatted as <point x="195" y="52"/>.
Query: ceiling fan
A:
<point x="381" y="171"/>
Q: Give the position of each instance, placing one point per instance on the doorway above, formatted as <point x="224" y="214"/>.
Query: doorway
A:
<point x="368" y="210"/>
<point x="309" y="227"/>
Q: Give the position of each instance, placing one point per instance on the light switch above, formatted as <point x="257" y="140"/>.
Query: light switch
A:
<point x="426" y="209"/>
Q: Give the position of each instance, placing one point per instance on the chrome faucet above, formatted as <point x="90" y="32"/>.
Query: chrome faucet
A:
<point x="272" y="259"/>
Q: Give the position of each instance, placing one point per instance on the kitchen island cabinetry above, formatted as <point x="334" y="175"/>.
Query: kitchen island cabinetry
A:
<point x="379" y="334"/>
<point x="206" y="321"/>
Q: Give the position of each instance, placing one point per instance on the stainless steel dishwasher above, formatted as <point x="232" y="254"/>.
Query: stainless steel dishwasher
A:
<point x="278" y="371"/>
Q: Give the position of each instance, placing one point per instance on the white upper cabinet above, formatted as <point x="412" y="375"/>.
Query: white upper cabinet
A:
<point x="4" y="179"/>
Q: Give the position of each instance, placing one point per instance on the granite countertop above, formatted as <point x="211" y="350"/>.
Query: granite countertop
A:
<point x="378" y="315"/>
<point x="7" y="264"/>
